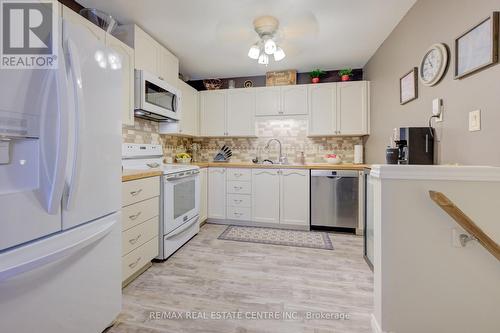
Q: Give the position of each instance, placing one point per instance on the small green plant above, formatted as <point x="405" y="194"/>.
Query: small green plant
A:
<point x="345" y="71"/>
<point x="317" y="73"/>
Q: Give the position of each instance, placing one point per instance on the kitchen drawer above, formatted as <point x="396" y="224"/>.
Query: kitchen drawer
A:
<point x="140" y="234"/>
<point x="137" y="190"/>
<point x="239" y="200"/>
<point x="239" y="187"/>
<point x="239" y="213"/>
<point x="142" y="211"/>
<point x="139" y="257"/>
<point x="239" y="174"/>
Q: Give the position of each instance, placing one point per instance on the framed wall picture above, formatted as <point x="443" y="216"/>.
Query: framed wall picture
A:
<point x="408" y="87"/>
<point x="477" y="48"/>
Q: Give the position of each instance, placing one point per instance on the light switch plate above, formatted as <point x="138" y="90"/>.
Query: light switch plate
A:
<point x="475" y="121"/>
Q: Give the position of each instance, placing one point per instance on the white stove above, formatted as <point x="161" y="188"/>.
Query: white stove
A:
<point x="180" y="195"/>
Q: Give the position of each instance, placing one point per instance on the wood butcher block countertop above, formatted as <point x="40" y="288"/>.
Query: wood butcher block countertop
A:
<point x="311" y="166"/>
<point x="129" y="174"/>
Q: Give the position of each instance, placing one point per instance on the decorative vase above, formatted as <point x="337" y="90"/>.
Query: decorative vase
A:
<point x="345" y="77"/>
<point x="315" y="80"/>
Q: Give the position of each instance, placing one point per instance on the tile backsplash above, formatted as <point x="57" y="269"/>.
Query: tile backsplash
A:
<point x="292" y="133"/>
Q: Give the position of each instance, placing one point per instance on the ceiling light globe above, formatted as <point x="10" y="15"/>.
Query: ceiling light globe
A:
<point x="254" y="52"/>
<point x="269" y="46"/>
<point x="279" y="54"/>
<point x="263" y="59"/>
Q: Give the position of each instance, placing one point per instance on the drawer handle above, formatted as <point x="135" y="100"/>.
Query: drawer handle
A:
<point x="238" y="174"/>
<point x="132" y="265"/>
<point x="134" y="240"/>
<point x="238" y="187"/>
<point x="237" y="214"/>
<point x="134" y="217"/>
<point x="134" y="193"/>
<point x="238" y="201"/>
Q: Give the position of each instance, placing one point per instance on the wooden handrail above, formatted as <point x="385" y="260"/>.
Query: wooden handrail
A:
<point x="465" y="222"/>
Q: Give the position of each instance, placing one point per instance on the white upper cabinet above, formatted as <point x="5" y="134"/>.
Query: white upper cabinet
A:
<point x="265" y="196"/>
<point x="213" y="113"/>
<point x="240" y="112"/>
<point x="268" y="101"/>
<point x="216" y="193"/>
<point x="281" y="101"/>
<point x="353" y="108"/>
<point x="228" y="112"/>
<point x="322" y="109"/>
<point x="339" y="109"/>
<point x="189" y="110"/>
<point x="294" y="200"/>
<point x="168" y="66"/>
<point x="147" y="51"/>
<point x="150" y="55"/>
<point x="294" y="100"/>
<point x="126" y="55"/>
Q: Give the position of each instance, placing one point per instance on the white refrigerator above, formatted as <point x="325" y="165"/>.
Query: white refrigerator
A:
<point x="60" y="191"/>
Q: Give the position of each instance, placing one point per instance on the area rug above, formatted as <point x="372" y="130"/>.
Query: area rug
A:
<point x="297" y="238"/>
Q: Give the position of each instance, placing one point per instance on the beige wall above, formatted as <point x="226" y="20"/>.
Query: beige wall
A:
<point x="429" y="22"/>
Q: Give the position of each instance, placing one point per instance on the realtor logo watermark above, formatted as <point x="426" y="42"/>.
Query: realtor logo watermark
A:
<point x="29" y="36"/>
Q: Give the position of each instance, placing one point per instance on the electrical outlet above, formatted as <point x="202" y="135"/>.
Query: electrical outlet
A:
<point x="475" y="121"/>
<point x="437" y="109"/>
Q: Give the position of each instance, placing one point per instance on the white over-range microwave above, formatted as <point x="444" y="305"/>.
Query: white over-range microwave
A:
<point x="155" y="99"/>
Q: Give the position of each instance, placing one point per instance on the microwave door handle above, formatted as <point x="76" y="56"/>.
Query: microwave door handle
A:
<point x="76" y="73"/>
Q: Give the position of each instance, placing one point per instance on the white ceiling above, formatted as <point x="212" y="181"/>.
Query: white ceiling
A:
<point x="212" y="38"/>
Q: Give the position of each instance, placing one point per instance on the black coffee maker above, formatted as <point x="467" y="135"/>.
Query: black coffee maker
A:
<point x="415" y="145"/>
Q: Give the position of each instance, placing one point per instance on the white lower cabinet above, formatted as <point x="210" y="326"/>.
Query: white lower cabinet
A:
<point x="217" y="193"/>
<point x="259" y="196"/>
<point x="294" y="197"/>
<point x="265" y="196"/>
<point x="204" y="194"/>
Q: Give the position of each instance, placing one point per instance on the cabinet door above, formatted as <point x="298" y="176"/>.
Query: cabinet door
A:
<point x="203" y="194"/>
<point x="267" y="101"/>
<point x="322" y="109"/>
<point x="294" y="197"/>
<point x="216" y="193"/>
<point x="294" y="100"/>
<point x="189" y="109"/>
<point x="213" y="113"/>
<point x="126" y="55"/>
<point x="240" y="112"/>
<point x="75" y="18"/>
<point x="353" y="108"/>
<point x="168" y="66"/>
<point x="146" y="51"/>
<point x="265" y="196"/>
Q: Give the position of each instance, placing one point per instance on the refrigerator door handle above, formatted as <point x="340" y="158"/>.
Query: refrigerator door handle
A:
<point x="54" y="199"/>
<point x="39" y="254"/>
<point x="76" y="74"/>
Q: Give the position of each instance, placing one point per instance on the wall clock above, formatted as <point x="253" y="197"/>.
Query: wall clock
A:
<point x="434" y="64"/>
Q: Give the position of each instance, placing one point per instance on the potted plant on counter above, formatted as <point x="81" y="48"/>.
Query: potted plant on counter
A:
<point x="316" y="74"/>
<point x="345" y="74"/>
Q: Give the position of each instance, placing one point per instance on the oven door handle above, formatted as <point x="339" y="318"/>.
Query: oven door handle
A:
<point x="178" y="178"/>
<point x="183" y="228"/>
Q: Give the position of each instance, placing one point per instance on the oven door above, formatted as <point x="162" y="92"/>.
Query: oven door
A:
<point x="181" y="201"/>
<point x="157" y="96"/>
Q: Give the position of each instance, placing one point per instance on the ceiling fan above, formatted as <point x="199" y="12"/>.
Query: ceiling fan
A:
<point x="266" y="27"/>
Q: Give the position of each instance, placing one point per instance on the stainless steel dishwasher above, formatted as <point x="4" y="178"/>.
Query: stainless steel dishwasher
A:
<point x="334" y="199"/>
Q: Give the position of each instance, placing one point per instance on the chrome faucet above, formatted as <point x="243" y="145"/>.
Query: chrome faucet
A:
<point x="281" y="159"/>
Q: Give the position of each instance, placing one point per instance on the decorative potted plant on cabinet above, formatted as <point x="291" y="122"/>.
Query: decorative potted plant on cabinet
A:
<point x="345" y="74"/>
<point x="316" y="74"/>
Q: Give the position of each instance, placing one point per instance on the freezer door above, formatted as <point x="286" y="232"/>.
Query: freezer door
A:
<point x="70" y="282"/>
<point x="334" y="201"/>
<point x="33" y="152"/>
<point x="94" y="164"/>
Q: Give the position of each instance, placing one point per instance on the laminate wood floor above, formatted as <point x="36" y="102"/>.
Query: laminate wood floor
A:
<point x="247" y="279"/>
